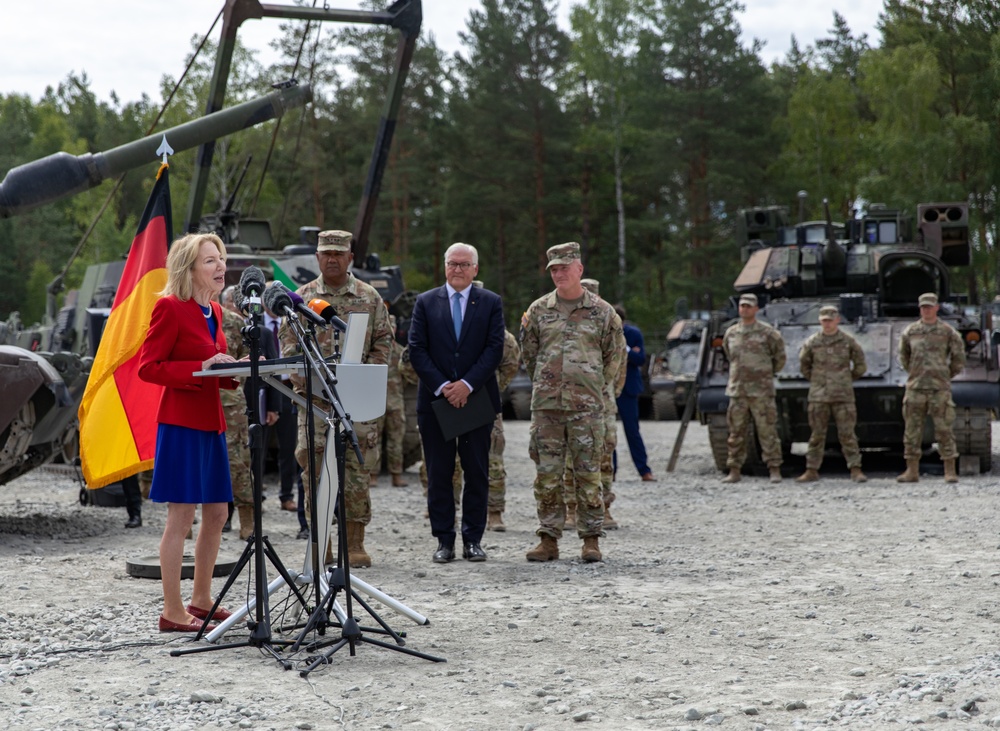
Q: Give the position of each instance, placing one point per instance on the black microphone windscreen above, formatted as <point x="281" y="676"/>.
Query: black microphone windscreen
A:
<point x="252" y="279"/>
<point x="277" y="301"/>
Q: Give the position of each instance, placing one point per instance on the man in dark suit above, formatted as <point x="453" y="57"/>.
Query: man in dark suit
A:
<point x="455" y="346"/>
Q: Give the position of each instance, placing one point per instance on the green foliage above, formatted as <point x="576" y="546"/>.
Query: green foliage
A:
<point x="643" y="129"/>
<point x="33" y="306"/>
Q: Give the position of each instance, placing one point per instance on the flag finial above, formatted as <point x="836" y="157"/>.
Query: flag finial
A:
<point x="164" y="149"/>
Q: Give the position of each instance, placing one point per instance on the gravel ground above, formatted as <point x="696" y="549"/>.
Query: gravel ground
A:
<point x="747" y="606"/>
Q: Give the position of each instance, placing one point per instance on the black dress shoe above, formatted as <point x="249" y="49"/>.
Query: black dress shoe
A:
<point x="134" y="521"/>
<point x="444" y="554"/>
<point x="473" y="552"/>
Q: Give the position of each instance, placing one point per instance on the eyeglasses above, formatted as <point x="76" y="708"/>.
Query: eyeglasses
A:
<point x="459" y="264"/>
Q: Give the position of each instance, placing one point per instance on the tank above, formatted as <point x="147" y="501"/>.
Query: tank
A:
<point x="44" y="367"/>
<point x="873" y="269"/>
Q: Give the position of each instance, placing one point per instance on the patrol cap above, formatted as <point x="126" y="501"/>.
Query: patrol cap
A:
<point x="591" y="285"/>
<point x="928" y="298"/>
<point x="563" y="254"/>
<point x="334" y="241"/>
<point x="748" y="299"/>
<point x="828" y="312"/>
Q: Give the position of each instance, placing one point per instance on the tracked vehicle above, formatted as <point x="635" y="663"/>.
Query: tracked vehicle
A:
<point x="873" y="269"/>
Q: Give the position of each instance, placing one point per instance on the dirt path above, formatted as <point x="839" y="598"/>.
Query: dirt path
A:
<point x="749" y="606"/>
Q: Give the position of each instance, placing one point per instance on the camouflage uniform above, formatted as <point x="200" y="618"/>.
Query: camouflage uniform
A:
<point x="610" y="444"/>
<point x="932" y="355"/>
<point x="824" y="361"/>
<point x="572" y="351"/>
<point x="756" y="353"/>
<point x="393" y="422"/>
<point x="353" y="296"/>
<point x="234" y="404"/>
<point x="498" y="473"/>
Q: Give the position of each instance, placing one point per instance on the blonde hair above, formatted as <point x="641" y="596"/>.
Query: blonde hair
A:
<point x="181" y="259"/>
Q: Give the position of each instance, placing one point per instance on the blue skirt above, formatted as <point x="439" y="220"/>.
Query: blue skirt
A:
<point x="190" y="466"/>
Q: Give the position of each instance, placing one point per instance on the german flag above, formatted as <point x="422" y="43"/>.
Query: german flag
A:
<point x="118" y="410"/>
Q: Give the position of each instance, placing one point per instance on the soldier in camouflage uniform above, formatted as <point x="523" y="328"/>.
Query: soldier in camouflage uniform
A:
<point x="573" y="347"/>
<point x="932" y="353"/>
<point x="339" y="287"/>
<point x="756" y="353"/>
<point x="393" y="422"/>
<point x="610" y="441"/>
<point x="830" y="360"/>
<point x="498" y="473"/>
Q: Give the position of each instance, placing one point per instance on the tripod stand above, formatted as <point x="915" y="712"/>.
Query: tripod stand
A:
<point x="340" y="582"/>
<point x="341" y="430"/>
<point x="258" y="546"/>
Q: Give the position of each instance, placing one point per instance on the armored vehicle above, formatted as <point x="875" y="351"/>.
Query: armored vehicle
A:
<point x="873" y="269"/>
<point x="673" y="370"/>
<point x="44" y="368"/>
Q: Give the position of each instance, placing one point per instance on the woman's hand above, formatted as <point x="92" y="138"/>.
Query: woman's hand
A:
<point x="217" y="358"/>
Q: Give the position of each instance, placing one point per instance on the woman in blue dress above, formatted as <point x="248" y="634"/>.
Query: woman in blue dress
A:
<point x="191" y="466"/>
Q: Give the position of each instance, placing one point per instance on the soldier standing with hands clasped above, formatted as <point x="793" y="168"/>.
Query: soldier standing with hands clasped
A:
<point x="338" y="286"/>
<point x="831" y="360"/>
<point x="573" y="347"/>
<point x="756" y="353"/>
<point x="932" y="353"/>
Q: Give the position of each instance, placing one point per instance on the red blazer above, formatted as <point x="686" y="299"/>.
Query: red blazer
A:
<point x="177" y="343"/>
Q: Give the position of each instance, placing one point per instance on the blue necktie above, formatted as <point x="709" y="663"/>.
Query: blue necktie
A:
<point x="456" y="313"/>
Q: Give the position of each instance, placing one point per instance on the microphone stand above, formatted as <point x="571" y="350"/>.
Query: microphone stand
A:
<point x="258" y="546"/>
<point x="339" y="576"/>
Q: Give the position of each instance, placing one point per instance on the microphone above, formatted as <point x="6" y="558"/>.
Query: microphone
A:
<point x="252" y="286"/>
<point x="299" y="305"/>
<point x="325" y="310"/>
<point x="278" y="301"/>
<point x="241" y="303"/>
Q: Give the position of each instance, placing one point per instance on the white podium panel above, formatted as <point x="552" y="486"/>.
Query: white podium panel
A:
<point x="361" y="387"/>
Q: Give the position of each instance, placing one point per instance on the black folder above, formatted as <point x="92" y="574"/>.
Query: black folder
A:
<point x="478" y="411"/>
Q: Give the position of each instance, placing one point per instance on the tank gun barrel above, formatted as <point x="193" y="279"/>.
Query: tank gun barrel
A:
<point x="62" y="175"/>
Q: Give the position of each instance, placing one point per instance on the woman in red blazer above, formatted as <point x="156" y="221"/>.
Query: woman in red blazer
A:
<point x="191" y="465"/>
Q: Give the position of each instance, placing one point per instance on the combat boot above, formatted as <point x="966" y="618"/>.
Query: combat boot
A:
<point x="398" y="480"/>
<point x="357" y="557"/>
<point x="546" y="550"/>
<point x="329" y="560"/>
<point x="810" y="475"/>
<point x="609" y="522"/>
<point x="912" y="473"/>
<point x="494" y="521"/>
<point x="949" y="470"/>
<point x="857" y="475"/>
<point x="591" y="552"/>
<point x="246" y="521"/>
<point x="570" y="515"/>
<point x="776" y="474"/>
<point x="733" y="476"/>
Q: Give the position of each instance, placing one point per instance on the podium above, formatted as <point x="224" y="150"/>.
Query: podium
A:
<point x="361" y="388"/>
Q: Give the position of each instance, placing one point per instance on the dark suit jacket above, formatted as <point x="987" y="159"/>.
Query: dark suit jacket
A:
<point x="437" y="358"/>
<point x="177" y="343"/>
